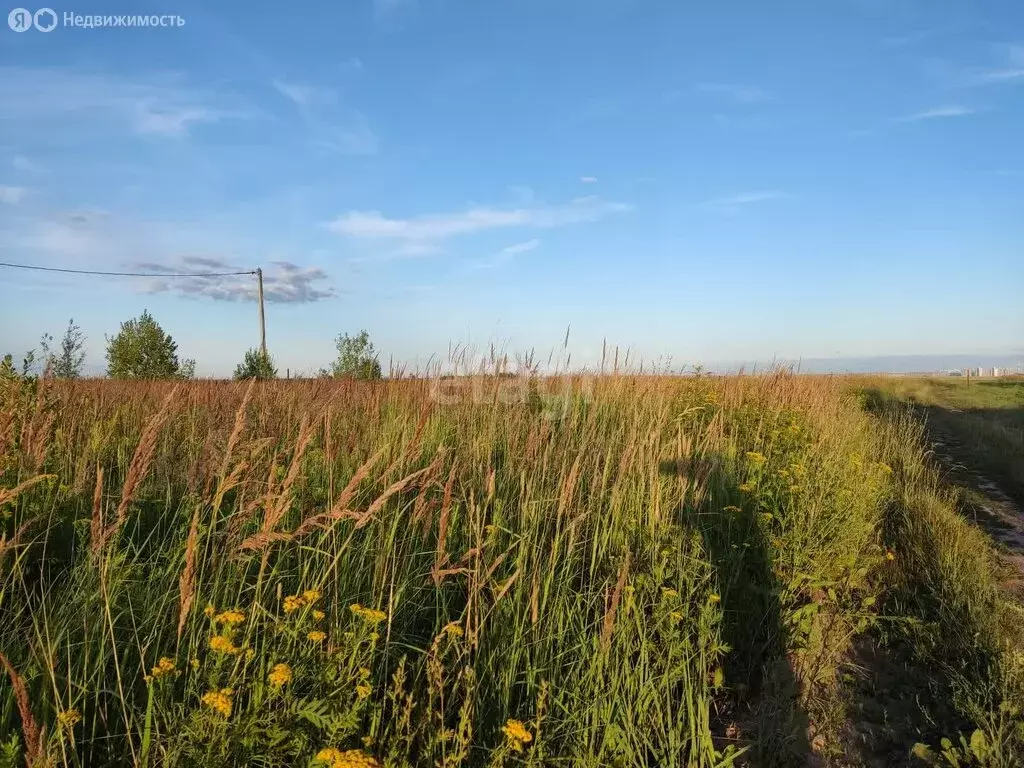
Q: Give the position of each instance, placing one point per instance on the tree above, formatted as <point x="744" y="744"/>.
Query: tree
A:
<point x="143" y="350"/>
<point x="67" y="364"/>
<point x="256" y="365"/>
<point x="356" y="358"/>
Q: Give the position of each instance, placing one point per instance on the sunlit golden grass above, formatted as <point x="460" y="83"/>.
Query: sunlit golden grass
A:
<point x="642" y="571"/>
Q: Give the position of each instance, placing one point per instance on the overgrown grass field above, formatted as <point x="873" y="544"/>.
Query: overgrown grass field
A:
<point x="646" y="571"/>
<point x="984" y="416"/>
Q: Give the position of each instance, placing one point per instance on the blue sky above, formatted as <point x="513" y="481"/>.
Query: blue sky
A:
<point x="697" y="182"/>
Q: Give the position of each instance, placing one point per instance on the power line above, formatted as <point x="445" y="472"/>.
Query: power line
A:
<point x="127" y="274"/>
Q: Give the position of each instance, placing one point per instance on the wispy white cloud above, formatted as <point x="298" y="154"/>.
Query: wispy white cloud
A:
<point x="434" y="227"/>
<point x="12" y="195"/>
<point x="332" y="125"/>
<point x="518" y="248"/>
<point x="939" y="113"/>
<point x="506" y="254"/>
<point x="733" y="202"/>
<point x="588" y="179"/>
<point x="739" y="94"/>
<point x="159" y="105"/>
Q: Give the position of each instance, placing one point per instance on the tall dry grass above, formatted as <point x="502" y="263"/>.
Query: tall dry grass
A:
<point x="648" y="571"/>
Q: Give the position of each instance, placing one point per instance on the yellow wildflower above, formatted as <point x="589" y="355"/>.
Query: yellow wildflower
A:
<point x="747" y="488"/>
<point x="363" y="691"/>
<point x="292" y="603"/>
<point x="250" y="654"/>
<point x="363" y="673"/>
<point x="231" y="617"/>
<point x="352" y="758"/>
<point x="280" y="675"/>
<point x="795" y="488"/>
<point x="676" y="616"/>
<point x="719" y="677"/>
<point x="163" y="667"/>
<point x="317" y="636"/>
<point x="69" y="718"/>
<point x="369" y="615"/>
<point x="221" y="644"/>
<point x="714" y="598"/>
<point x="219" y="700"/>
<point x="453" y="628"/>
<point x="890" y="555"/>
<point x="318" y="615"/>
<point x="516" y="734"/>
<point x="209" y="610"/>
<point x="194" y="663"/>
<point x="798" y="469"/>
<point x="756" y="457"/>
<point x="885" y="468"/>
<point x="668" y="593"/>
<point x="311" y="596"/>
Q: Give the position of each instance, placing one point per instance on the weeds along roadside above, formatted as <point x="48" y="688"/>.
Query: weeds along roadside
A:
<point x="672" y="571"/>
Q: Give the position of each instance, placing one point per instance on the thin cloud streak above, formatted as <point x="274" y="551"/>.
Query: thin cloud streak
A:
<point x="374" y="225"/>
<point x="745" y="198"/>
<point x="939" y="113"/>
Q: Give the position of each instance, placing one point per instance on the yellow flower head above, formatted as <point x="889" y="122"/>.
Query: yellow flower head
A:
<point x="747" y="488"/>
<point x="317" y="636"/>
<point x="669" y="593"/>
<point x="795" y="488"/>
<point x="352" y="758"/>
<point x="719" y="677"/>
<point x="292" y="603"/>
<point x="231" y="617"/>
<point x="454" y="629"/>
<point x="363" y="673"/>
<point x="163" y="667"/>
<point x="69" y="718"/>
<point x="318" y="615"/>
<point x="221" y="644"/>
<point x="280" y="675"/>
<point x="311" y="596"/>
<point x="194" y="663"/>
<point x="209" y="610"/>
<point x="369" y="615"/>
<point x="363" y="691"/>
<point x="714" y="598"/>
<point x="219" y="701"/>
<point x="516" y="734"/>
<point x="756" y="457"/>
<point x="890" y="555"/>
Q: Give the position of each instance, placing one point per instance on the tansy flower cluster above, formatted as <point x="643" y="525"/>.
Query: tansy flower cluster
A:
<point x="293" y="603"/>
<point x="317" y="636"/>
<point x="221" y="644"/>
<point x="370" y="615"/>
<point x="219" y="701"/>
<point x="163" y="667"/>
<point x="280" y="675"/>
<point x="69" y="718"/>
<point x="230" y="617"/>
<point x="516" y="734"/>
<point x="352" y="758"/>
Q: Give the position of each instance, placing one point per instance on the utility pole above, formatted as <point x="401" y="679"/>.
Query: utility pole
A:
<point x="263" y="322"/>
